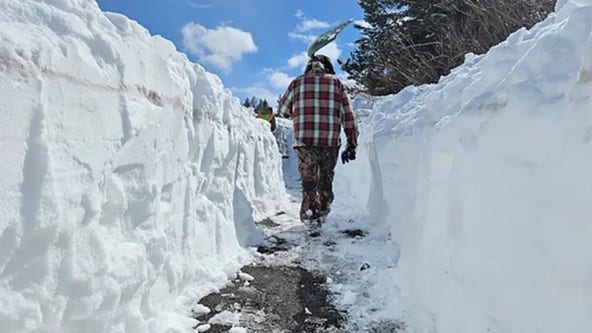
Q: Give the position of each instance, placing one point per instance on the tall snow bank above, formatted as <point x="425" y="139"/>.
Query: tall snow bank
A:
<point x="282" y="135"/>
<point x="285" y="136"/>
<point x="129" y="176"/>
<point x="484" y="181"/>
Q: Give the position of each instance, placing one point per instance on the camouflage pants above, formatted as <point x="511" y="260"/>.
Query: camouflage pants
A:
<point x="317" y="168"/>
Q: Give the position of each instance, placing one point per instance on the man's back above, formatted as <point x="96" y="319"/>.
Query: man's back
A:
<point x="319" y="104"/>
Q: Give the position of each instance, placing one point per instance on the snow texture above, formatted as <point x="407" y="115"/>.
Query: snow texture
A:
<point x="283" y="135"/>
<point x="130" y="177"/>
<point x="203" y="328"/>
<point x="237" y="330"/>
<point x="226" y="318"/>
<point x="483" y="180"/>
<point x="245" y="277"/>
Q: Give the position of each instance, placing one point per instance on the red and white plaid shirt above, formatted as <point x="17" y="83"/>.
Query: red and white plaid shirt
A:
<point x="319" y="106"/>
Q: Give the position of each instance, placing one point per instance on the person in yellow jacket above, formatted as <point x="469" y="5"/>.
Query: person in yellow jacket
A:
<point x="266" y="113"/>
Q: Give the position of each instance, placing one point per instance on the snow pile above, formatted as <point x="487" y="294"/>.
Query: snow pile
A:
<point x="283" y="134"/>
<point x="130" y="177"/>
<point x="285" y="137"/>
<point x="484" y="181"/>
<point x="362" y="104"/>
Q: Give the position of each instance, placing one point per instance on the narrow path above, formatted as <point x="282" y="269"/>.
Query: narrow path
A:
<point x="337" y="281"/>
<point x="276" y="293"/>
<point x="279" y="299"/>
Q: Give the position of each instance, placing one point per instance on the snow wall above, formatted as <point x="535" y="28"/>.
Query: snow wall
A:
<point x="129" y="176"/>
<point x="282" y="134"/>
<point x="484" y="180"/>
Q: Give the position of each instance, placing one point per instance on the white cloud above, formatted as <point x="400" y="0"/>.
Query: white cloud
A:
<point x="198" y="5"/>
<point x="307" y="23"/>
<point x="298" y="60"/>
<point x="311" y="24"/>
<point x="220" y="47"/>
<point x="299" y="14"/>
<point x="261" y="92"/>
<point x="331" y="50"/>
<point x="278" y="79"/>
<point x="301" y="37"/>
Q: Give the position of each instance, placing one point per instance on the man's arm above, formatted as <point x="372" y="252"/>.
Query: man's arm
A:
<point x="286" y="101"/>
<point x="348" y="120"/>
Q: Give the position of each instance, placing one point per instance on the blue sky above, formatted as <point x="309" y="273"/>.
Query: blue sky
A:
<point x="255" y="46"/>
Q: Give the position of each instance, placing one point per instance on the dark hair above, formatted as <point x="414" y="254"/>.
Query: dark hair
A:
<point x="321" y="62"/>
<point x="327" y="64"/>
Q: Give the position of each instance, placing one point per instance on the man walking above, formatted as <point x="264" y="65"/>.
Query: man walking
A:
<point x="319" y="105"/>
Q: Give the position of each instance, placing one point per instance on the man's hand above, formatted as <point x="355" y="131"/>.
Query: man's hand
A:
<point x="349" y="154"/>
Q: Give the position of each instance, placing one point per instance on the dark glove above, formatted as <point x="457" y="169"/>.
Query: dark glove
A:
<point x="349" y="154"/>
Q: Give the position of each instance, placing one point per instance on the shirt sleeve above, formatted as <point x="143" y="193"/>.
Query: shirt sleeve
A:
<point x="348" y="120"/>
<point x="286" y="101"/>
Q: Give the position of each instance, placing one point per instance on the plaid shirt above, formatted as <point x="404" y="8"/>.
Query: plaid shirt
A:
<point x="319" y="106"/>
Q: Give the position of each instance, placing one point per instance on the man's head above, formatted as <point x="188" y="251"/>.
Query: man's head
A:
<point x="320" y="62"/>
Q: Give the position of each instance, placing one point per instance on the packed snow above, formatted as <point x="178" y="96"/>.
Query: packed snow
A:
<point x="283" y="137"/>
<point x="483" y="181"/>
<point x="131" y="180"/>
<point x="226" y="318"/>
<point x="130" y="177"/>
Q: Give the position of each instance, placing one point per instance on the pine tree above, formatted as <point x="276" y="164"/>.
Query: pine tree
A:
<point x="412" y="42"/>
<point x="365" y="65"/>
<point x="261" y="105"/>
<point x="256" y="103"/>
